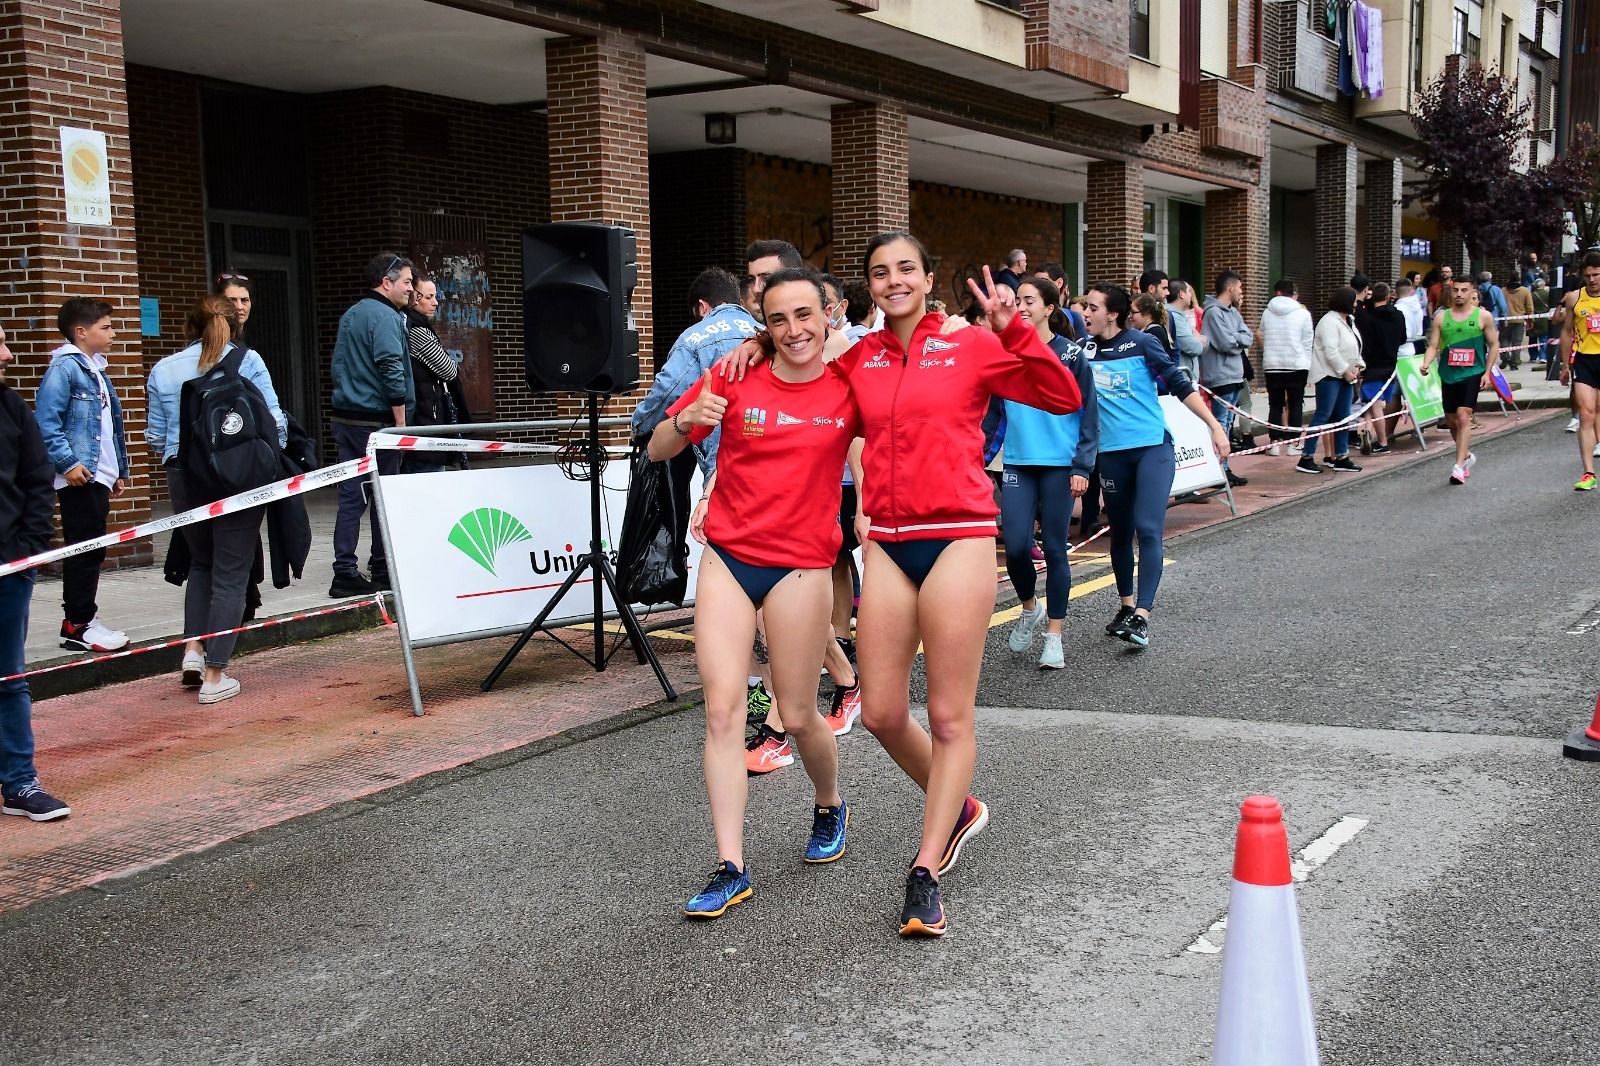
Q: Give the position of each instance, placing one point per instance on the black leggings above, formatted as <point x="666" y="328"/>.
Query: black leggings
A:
<point x="1137" y="483"/>
<point x="1286" y="395"/>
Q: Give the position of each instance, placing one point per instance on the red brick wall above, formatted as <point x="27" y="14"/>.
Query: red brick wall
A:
<point x="789" y="200"/>
<point x="965" y="229"/>
<point x="168" y="200"/>
<point x="871" y="169"/>
<point x="484" y="163"/>
<point x="61" y="62"/>
<point x="962" y="228"/>
<point x="1113" y="214"/>
<point x="1082" y="39"/>
<point x="599" y="152"/>
<point x="1336" y="219"/>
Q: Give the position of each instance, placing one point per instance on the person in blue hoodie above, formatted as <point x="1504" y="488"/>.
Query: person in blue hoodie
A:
<point x="372" y="388"/>
<point x="1049" y="460"/>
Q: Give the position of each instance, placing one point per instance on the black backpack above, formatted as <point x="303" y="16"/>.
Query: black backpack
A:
<point x="228" y="439"/>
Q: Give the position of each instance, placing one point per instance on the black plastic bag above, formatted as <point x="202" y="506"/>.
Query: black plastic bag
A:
<point x="653" y="560"/>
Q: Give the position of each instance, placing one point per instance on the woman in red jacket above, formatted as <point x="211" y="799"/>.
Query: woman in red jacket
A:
<point x="926" y="515"/>
<point x="790" y="423"/>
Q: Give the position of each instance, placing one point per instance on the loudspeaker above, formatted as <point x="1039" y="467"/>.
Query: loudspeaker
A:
<point x="577" y="286"/>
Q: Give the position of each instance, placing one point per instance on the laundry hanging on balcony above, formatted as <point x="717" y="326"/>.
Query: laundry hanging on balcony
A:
<point x="1359" y="33"/>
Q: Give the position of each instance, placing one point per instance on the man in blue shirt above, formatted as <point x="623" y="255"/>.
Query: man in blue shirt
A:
<point x="722" y="326"/>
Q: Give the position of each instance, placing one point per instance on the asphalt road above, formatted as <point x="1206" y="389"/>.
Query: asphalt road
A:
<point x="1397" y="650"/>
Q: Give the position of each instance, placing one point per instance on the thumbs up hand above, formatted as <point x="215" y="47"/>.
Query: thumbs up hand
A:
<point x="708" y="408"/>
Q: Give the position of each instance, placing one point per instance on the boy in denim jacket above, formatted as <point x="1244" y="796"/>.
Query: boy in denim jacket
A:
<point x="81" y="419"/>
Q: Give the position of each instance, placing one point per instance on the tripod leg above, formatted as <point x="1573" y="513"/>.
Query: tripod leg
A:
<point x="533" y="626"/>
<point x="630" y="623"/>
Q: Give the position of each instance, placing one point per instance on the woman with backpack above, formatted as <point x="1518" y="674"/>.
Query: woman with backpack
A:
<point x="436" y="375"/>
<point x="222" y="549"/>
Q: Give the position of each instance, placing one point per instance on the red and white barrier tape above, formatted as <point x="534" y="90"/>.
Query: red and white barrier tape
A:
<point x="1332" y="427"/>
<point x="176" y="642"/>
<point x="278" y="490"/>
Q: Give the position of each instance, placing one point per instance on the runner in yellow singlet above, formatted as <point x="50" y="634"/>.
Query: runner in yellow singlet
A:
<point x="1580" y="362"/>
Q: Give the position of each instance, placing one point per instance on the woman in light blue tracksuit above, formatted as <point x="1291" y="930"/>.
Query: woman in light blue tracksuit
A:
<point x="1049" y="460"/>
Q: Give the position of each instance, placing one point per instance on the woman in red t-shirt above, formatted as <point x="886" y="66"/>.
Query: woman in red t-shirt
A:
<point x="926" y="516"/>
<point x="770" y="518"/>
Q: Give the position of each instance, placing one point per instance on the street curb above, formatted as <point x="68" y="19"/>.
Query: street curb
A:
<point x="389" y="795"/>
<point x="137" y="667"/>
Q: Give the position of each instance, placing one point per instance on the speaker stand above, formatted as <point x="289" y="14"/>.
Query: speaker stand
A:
<point x="595" y="561"/>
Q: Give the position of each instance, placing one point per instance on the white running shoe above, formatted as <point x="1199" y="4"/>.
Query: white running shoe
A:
<point x="1027" y="625"/>
<point x="1276" y="449"/>
<point x="1472" y="461"/>
<point x="1572" y="427"/>
<point x="1458" y="475"/>
<point x="100" y="637"/>
<point x="1051" y="658"/>
<point x="1597" y="448"/>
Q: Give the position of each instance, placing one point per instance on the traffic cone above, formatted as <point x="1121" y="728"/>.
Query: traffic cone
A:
<point x="1584" y="743"/>
<point x="1265" y="1015"/>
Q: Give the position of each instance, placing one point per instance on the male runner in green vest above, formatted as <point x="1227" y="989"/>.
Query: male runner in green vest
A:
<point x="1470" y="343"/>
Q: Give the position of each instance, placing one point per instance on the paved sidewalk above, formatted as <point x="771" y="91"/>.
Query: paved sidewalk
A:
<point x="152" y="775"/>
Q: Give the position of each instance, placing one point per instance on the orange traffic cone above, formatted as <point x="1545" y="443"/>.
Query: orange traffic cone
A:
<point x="1584" y="743"/>
<point x="1265" y="1014"/>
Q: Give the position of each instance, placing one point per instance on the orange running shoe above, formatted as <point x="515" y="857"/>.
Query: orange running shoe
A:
<point x="767" y="750"/>
<point x="845" y="710"/>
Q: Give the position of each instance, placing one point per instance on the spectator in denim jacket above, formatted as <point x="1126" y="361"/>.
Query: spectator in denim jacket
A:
<point x="81" y="419"/>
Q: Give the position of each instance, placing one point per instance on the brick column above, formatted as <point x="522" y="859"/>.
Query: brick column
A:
<point x="1113" y="217"/>
<point x="1237" y="233"/>
<point x="1450" y="248"/>
<point x="1336" y="220"/>
<point x="58" y="76"/>
<point x="1381" y="256"/>
<point x="871" y="180"/>
<point x="600" y="149"/>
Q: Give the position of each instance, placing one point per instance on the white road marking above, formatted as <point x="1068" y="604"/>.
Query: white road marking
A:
<point x="1311" y="858"/>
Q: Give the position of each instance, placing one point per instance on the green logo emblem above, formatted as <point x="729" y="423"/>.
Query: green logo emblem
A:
<point x="482" y="533"/>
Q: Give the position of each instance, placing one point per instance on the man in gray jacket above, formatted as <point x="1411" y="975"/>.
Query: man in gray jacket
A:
<point x="1222" y="362"/>
<point x="372" y="388"/>
<point x="1180" y="323"/>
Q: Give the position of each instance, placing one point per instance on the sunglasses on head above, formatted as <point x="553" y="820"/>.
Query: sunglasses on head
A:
<point x="224" y="278"/>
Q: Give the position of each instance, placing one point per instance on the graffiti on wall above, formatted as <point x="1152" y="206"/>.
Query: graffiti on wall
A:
<point x="465" y="322"/>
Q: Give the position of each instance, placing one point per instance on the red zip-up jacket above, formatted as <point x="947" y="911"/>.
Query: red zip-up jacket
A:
<point x="923" y="418"/>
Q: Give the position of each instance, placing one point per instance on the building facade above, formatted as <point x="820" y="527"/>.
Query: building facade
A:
<point x="291" y="141"/>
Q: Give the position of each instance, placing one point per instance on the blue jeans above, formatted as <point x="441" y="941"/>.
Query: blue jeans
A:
<point x="1045" y="492"/>
<point x="1137" y="483"/>
<point x="1225" y="415"/>
<point x="352" y="444"/>
<point x="1333" y="405"/>
<point x="16" y="705"/>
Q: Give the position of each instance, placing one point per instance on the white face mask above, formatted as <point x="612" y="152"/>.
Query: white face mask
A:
<point x="836" y="317"/>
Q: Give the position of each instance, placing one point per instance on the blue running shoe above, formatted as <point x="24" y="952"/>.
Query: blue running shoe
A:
<point x="827" y="833"/>
<point x="729" y="885"/>
<point x="924" y="913"/>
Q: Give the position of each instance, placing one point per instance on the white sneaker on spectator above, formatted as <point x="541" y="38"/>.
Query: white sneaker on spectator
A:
<point x="1276" y="449"/>
<point x="1572" y="427"/>
<point x="225" y="689"/>
<point x="100" y="637"/>
<point x="194" y="665"/>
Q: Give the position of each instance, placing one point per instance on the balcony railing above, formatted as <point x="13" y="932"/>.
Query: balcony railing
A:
<point x="1306" y="62"/>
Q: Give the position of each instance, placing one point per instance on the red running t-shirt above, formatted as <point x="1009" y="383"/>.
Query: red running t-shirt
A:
<point x="776" y="501"/>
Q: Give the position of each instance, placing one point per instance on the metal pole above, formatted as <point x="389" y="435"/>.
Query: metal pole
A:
<point x="394" y="575"/>
<point x="596" y="456"/>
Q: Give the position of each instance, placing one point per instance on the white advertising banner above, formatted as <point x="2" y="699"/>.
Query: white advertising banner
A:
<point x="1198" y="466"/>
<point x="477" y="550"/>
<point x="85" y="177"/>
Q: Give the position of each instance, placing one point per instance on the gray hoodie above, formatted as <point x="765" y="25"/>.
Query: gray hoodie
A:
<point x="1227" y="340"/>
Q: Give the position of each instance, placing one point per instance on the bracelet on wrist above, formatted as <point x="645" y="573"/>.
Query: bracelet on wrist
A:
<point x="679" y="430"/>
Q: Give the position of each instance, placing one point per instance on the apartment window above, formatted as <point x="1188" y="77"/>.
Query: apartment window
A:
<point x="1508" y="48"/>
<point x="1325" y="17"/>
<point x="1150" y="239"/>
<point x="1416" y="46"/>
<point x="1467" y="38"/>
<point x="1139" y="29"/>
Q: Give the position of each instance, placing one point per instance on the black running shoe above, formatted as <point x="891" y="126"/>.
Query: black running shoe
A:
<point x="350" y="584"/>
<point x="1235" y="480"/>
<point x="1114" y="627"/>
<point x="35" y="803"/>
<point x="924" y="913"/>
<point x="1345" y="463"/>
<point x="1136" y="631"/>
